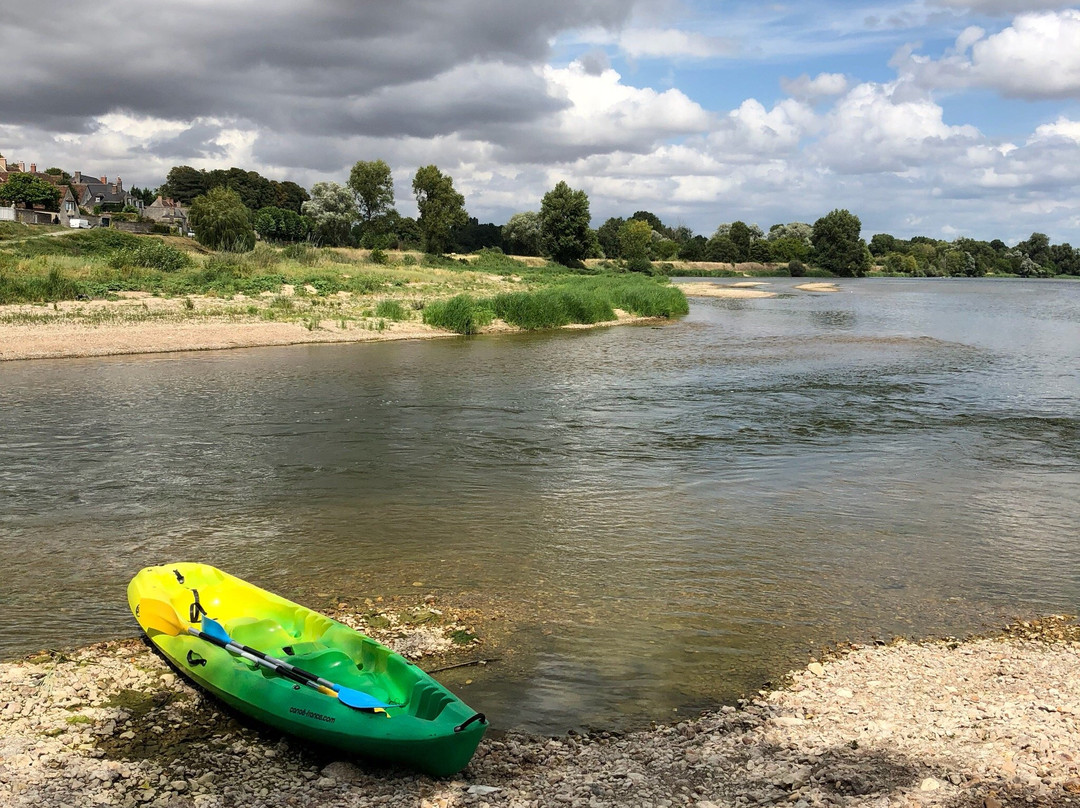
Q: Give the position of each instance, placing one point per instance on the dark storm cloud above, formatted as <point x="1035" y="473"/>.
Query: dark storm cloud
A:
<point x="408" y="68"/>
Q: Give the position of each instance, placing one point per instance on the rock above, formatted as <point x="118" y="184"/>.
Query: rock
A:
<point x="179" y="786"/>
<point x="929" y="784"/>
<point x="342" y="771"/>
<point x="816" y="668"/>
<point x="483" y="791"/>
<point x="990" y="801"/>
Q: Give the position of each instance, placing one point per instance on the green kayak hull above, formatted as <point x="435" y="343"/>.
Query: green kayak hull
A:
<point x="425" y="726"/>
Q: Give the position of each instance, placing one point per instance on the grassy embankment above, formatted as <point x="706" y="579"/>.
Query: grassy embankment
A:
<point x="61" y="276"/>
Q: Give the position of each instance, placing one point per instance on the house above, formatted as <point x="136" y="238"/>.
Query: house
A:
<point x="37" y="214"/>
<point x="93" y="193"/>
<point x="167" y="211"/>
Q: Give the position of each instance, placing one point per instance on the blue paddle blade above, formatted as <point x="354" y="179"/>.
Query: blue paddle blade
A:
<point x="359" y="700"/>
<point x="213" y="628"/>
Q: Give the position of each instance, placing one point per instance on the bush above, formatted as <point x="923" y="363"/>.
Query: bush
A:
<point x="639" y="265"/>
<point x="302" y="253"/>
<point x="462" y="314"/>
<point x="379" y="256"/>
<point x="152" y="255"/>
<point x="391" y="310"/>
<point x="797" y="269"/>
<point x="37" y="289"/>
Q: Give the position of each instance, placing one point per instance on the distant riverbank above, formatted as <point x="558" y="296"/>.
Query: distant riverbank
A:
<point x="101" y="293"/>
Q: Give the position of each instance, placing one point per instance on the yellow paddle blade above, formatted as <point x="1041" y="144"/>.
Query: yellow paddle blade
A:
<point x="157" y="615"/>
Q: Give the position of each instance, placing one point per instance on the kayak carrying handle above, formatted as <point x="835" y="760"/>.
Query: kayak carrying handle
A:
<point x="478" y="717"/>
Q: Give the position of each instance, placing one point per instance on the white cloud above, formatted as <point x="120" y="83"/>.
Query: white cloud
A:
<point x="674" y="44"/>
<point x="874" y="129"/>
<point x="1061" y="128"/>
<point x="812" y="89"/>
<point x="1037" y="57"/>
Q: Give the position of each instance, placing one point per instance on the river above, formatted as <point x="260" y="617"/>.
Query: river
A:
<point x="673" y="513"/>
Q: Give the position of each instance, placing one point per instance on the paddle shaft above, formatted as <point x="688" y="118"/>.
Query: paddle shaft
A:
<point x="234" y="645"/>
<point x="286" y="670"/>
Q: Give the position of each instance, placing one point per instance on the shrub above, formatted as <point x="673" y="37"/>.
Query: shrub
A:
<point x="303" y="253"/>
<point x="152" y="255"/>
<point x="462" y="314"/>
<point x="37" y="289"/>
<point x="379" y="256"/>
<point x="639" y="265"/>
<point x="391" y="310"/>
<point x="797" y="269"/>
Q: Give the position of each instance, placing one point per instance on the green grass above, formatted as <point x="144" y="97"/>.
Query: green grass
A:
<point x="586" y="300"/>
<point x="88" y="243"/>
<point x="462" y="314"/>
<point x="391" y="310"/>
<point x="40" y="289"/>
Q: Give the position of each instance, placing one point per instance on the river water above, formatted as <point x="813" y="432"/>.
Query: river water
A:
<point x="672" y="514"/>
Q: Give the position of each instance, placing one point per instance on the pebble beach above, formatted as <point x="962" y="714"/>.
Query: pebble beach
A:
<point x="985" y="722"/>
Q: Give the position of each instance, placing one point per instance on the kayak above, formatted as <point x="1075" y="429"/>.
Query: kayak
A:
<point x="300" y="671"/>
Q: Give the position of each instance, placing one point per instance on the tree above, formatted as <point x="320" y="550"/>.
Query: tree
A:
<point x="373" y="185"/>
<point x="635" y="239"/>
<point x="653" y="221"/>
<point x="145" y="194"/>
<point x="838" y="246"/>
<point x="789" y="248"/>
<point x="281" y="224"/>
<point x="521" y="234"/>
<point x="332" y="209"/>
<point x="441" y="208"/>
<point x="184" y="183"/>
<point x="882" y="244"/>
<point x="55" y="171"/>
<point x="608" y="236"/>
<point x="694" y="249"/>
<point x="221" y="222"/>
<point x="26" y="189"/>
<point x="741" y="236"/>
<point x="564" y="224"/>
<point x="289" y="196"/>
<point x="721" y="249"/>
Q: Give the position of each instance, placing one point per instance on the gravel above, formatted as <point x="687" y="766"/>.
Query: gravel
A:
<point x="985" y="723"/>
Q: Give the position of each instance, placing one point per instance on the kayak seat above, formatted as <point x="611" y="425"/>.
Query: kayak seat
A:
<point x="267" y="636"/>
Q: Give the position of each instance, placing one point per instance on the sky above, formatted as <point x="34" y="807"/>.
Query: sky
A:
<point x="942" y="118"/>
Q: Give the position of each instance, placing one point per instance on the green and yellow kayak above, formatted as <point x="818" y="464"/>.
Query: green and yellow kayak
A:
<point x="337" y="687"/>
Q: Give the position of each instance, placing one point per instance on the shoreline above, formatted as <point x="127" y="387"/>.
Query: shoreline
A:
<point x="144" y="325"/>
<point x="986" y="722"/>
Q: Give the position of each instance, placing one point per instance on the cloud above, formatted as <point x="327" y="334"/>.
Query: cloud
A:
<point x="1035" y="58"/>
<point x="279" y="64"/>
<point x="876" y="129"/>
<point x="672" y="43"/>
<point x="1003" y="7"/>
<point x="821" y="86"/>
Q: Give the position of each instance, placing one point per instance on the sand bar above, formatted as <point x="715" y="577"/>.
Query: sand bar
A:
<point x="818" y="287"/>
<point x="699" y="289"/>
<point x="156" y="325"/>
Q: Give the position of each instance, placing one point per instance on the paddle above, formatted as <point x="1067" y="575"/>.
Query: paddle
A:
<point x="162" y="617"/>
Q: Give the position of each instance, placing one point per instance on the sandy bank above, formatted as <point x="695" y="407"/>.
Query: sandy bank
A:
<point x="155" y="325"/>
<point x="698" y="289"/>
<point x="988" y="723"/>
<point x="818" y="287"/>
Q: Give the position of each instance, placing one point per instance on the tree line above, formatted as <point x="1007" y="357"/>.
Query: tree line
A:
<point x="234" y="205"/>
